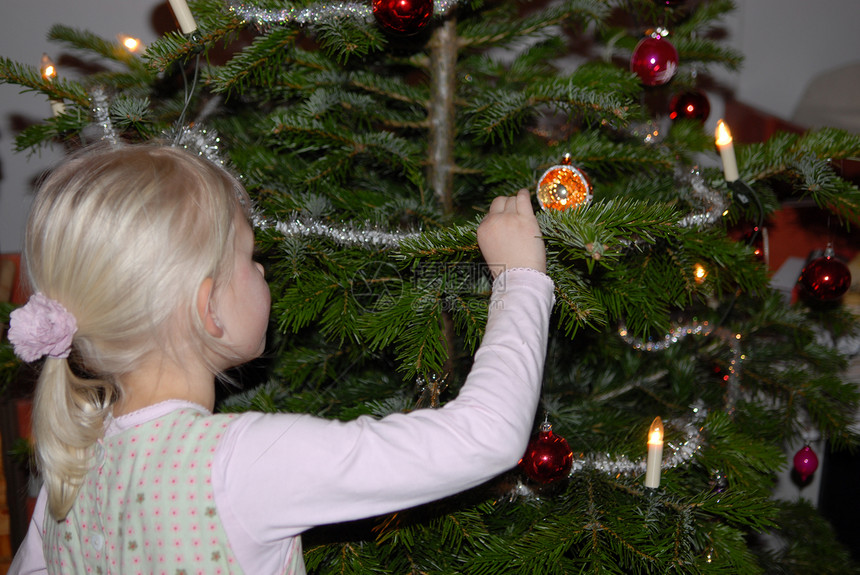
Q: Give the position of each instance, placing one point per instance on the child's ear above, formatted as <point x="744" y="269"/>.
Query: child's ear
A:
<point x="205" y="310"/>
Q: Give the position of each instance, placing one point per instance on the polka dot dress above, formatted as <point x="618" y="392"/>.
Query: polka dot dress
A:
<point x="147" y="505"/>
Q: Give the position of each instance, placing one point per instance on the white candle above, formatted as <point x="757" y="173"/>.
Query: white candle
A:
<point x="49" y="72"/>
<point x="183" y="16"/>
<point x="57" y="107"/>
<point x="655" y="454"/>
<point x="727" y="152"/>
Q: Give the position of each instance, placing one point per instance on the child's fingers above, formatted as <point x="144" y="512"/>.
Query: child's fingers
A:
<point x="524" y="202"/>
<point x="498" y="204"/>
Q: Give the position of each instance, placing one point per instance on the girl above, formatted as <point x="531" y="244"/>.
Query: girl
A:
<point x="140" y="261"/>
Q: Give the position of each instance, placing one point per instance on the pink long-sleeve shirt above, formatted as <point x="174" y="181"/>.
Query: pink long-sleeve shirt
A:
<point x="276" y="475"/>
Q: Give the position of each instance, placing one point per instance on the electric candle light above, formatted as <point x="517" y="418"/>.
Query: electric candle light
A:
<point x="183" y="16"/>
<point x="727" y="152"/>
<point x="49" y="72"/>
<point x="655" y="454"/>
<point x="131" y="44"/>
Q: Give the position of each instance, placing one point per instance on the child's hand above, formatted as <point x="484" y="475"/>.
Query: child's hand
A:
<point x="509" y="235"/>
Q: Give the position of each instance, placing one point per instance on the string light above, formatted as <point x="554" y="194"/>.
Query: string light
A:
<point x="183" y="16"/>
<point x="655" y="454"/>
<point x="705" y="328"/>
<point x="131" y="44"/>
<point x="49" y="73"/>
<point x="727" y="151"/>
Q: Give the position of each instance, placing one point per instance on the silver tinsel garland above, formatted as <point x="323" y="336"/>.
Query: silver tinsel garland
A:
<point x="205" y="142"/>
<point x="733" y="340"/>
<point x="344" y="233"/>
<point x="195" y="138"/>
<point x="101" y="113"/>
<point x="199" y="140"/>
<point x="713" y="203"/>
<point x="320" y="12"/>
<point x="680" y="451"/>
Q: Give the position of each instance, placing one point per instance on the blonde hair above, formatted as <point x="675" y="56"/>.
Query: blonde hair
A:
<point x="121" y="236"/>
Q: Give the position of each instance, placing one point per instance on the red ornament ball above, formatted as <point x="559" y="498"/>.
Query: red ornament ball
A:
<point x="548" y="457"/>
<point x="654" y="60"/>
<point x="825" y="278"/>
<point x="690" y="106"/>
<point x="805" y="463"/>
<point x="403" y="16"/>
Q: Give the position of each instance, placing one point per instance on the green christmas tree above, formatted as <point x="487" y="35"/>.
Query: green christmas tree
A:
<point x="372" y="140"/>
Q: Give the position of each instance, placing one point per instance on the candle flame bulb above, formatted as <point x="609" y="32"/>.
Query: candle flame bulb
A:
<point x="49" y="72"/>
<point x="655" y="433"/>
<point x="727" y="151"/>
<point x="724" y="136"/>
<point x="131" y="44"/>
<point x="655" y="454"/>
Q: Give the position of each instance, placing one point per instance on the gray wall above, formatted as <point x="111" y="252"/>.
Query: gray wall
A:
<point x="23" y="38"/>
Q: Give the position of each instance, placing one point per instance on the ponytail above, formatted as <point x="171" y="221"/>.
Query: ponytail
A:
<point x="68" y="419"/>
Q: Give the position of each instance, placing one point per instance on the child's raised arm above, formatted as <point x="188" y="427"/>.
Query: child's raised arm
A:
<point x="509" y="235"/>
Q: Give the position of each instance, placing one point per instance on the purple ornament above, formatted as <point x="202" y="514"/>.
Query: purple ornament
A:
<point x="805" y="462"/>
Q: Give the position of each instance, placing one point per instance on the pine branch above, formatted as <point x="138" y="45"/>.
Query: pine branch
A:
<point x="346" y="39"/>
<point x="807" y="162"/>
<point x="88" y="42"/>
<point x="257" y="64"/>
<point x="30" y="78"/>
<point x="706" y="51"/>
<point x="503" y="27"/>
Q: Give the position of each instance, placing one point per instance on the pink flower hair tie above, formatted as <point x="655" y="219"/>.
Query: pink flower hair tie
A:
<point x="41" y="327"/>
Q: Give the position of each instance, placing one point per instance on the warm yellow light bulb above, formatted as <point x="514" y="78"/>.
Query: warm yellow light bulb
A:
<point x="655" y="433"/>
<point x="49" y="71"/>
<point x="131" y="44"/>
<point x="723" y="135"/>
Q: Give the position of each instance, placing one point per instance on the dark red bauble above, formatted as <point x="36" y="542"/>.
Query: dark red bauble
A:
<point x="548" y="457"/>
<point x="805" y="462"/>
<point x="403" y="16"/>
<point x="654" y="60"/>
<point x="825" y="279"/>
<point x="690" y="106"/>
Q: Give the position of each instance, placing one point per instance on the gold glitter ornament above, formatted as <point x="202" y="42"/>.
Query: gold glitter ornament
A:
<point x="563" y="187"/>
